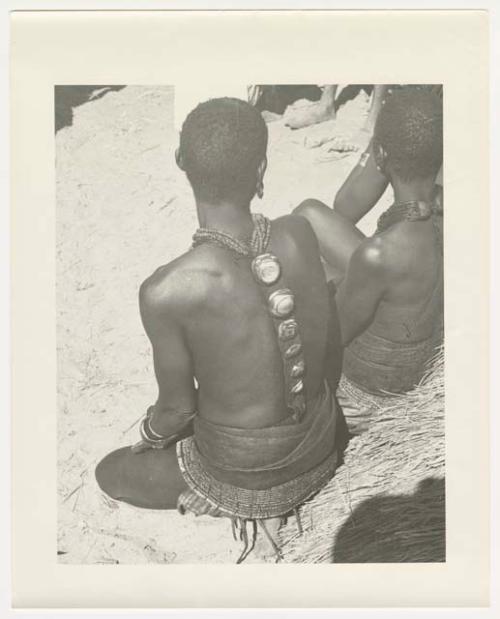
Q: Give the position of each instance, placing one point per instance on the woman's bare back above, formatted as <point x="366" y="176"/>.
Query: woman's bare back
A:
<point x="236" y="357"/>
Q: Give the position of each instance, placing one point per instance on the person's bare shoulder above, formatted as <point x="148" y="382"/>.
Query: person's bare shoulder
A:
<point x="175" y="287"/>
<point x="370" y="257"/>
<point x="380" y="256"/>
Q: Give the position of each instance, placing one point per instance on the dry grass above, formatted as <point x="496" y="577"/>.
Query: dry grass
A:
<point x="387" y="502"/>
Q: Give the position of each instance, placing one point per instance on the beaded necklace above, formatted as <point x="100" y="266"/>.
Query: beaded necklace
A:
<point x="256" y="245"/>
<point x="411" y="210"/>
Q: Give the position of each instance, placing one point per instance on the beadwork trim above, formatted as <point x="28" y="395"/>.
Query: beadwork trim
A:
<point x="412" y="210"/>
<point x="256" y="245"/>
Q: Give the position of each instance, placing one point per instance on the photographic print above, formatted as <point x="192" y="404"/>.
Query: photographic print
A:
<point x="250" y="324"/>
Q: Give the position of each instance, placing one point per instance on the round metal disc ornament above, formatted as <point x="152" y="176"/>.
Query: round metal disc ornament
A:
<point x="293" y="350"/>
<point x="297" y="369"/>
<point x="298" y="409"/>
<point x="297" y="388"/>
<point x="266" y="269"/>
<point x="281" y="303"/>
<point x="288" y="329"/>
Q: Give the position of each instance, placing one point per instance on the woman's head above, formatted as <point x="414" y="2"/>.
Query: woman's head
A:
<point x="408" y="137"/>
<point x="222" y="149"/>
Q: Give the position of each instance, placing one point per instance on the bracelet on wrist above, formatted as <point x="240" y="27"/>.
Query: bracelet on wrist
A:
<point x="151" y="437"/>
<point x="363" y="160"/>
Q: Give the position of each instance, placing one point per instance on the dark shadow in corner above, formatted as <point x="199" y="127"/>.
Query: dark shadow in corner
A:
<point x="396" y="528"/>
<point x="68" y="97"/>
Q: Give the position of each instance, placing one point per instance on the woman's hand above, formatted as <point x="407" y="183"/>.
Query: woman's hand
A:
<point x="140" y="447"/>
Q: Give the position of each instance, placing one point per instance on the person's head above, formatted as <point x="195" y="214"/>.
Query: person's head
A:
<point x="408" y="136"/>
<point x="222" y="149"/>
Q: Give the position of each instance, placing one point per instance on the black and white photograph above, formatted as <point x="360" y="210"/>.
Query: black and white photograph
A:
<point x="250" y="326"/>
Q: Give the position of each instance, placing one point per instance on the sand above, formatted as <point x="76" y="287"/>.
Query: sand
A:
<point x="123" y="209"/>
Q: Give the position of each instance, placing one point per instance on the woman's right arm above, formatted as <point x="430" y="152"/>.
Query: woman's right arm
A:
<point x="362" y="189"/>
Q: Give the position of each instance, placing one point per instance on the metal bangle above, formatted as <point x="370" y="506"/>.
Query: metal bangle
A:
<point x="363" y="160"/>
<point x="150" y="437"/>
<point x="150" y="430"/>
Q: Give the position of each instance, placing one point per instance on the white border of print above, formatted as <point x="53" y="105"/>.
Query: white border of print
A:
<point x="4" y="282"/>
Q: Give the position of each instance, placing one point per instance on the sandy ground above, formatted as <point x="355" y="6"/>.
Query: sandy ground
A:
<point x="123" y="209"/>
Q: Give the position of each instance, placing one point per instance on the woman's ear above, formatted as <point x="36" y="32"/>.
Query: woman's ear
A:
<point x="178" y="159"/>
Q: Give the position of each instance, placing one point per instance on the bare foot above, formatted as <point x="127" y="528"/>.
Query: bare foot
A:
<point x="337" y="143"/>
<point x="270" y="117"/>
<point x="337" y="148"/>
<point x="304" y="116"/>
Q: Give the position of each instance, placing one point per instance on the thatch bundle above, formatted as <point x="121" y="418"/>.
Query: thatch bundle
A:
<point x="386" y="503"/>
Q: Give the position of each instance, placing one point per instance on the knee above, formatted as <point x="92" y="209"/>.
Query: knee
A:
<point x="107" y="474"/>
<point x="310" y="209"/>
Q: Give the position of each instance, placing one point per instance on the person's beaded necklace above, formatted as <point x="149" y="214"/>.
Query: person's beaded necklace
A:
<point x="256" y="245"/>
<point x="267" y="271"/>
<point x="412" y="210"/>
